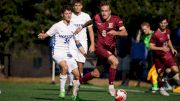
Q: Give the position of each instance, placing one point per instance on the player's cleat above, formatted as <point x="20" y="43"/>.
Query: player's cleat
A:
<point x="69" y="90"/>
<point x="176" y="89"/>
<point x="163" y="92"/>
<point x="62" y="95"/>
<point x="112" y="92"/>
<point x="75" y="98"/>
<point x="154" y="89"/>
<point x="167" y="86"/>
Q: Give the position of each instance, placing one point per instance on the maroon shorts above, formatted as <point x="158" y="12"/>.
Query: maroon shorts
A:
<point x="103" y="51"/>
<point x="164" y="62"/>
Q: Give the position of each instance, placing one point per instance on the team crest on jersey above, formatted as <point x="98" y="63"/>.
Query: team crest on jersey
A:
<point x="104" y="33"/>
<point x="110" y="25"/>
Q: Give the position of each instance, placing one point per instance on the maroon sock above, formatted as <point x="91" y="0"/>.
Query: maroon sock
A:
<point x="86" y="77"/>
<point x="112" y="75"/>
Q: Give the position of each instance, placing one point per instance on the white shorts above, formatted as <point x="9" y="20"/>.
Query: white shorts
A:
<point x="71" y="62"/>
<point x="78" y="55"/>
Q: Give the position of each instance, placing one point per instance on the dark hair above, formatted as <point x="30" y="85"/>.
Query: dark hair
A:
<point x="66" y="7"/>
<point x="105" y="3"/>
<point x="161" y="18"/>
<point x="77" y="1"/>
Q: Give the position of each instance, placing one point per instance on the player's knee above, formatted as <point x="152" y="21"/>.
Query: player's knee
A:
<point x="168" y="70"/>
<point x="115" y="63"/>
<point x="175" y="69"/>
<point x="61" y="76"/>
<point x="76" y="77"/>
<point x="76" y="74"/>
<point x="64" y="69"/>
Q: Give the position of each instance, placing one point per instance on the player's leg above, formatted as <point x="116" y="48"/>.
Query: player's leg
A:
<point x="175" y="74"/>
<point x="70" y="86"/>
<point x="162" y="90"/>
<point x="112" y="73"/>
<point x="93" y="74"/>
<point x="73" y="68"/>
<point x="76" y="84"/>
<point x="160" y="67"/>
<point x="80" y="66"/>
<point x="71" y="78"/>
<point x="80" y="61"/>
<point x="63" y="78"/>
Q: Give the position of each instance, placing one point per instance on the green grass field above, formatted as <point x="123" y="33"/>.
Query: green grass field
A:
<point x="49" y="92"/>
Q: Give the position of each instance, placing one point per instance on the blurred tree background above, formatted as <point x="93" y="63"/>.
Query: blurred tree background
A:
<point x="22" y="20"/>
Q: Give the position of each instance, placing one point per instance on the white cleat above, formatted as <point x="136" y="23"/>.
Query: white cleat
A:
<point x="112" y="92"/>
<point x="163" y="92"/>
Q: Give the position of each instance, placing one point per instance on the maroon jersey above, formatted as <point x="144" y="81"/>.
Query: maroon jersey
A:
<point x="160" y="39"/>
<point x="104" y="27"/>
<point x="162" y="60"/>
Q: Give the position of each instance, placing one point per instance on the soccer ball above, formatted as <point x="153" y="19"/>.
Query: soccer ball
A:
<point x="120" y="95"/>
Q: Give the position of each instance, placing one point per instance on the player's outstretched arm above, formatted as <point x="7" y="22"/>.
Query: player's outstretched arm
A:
<point x="91" y="35"/>
<point x="174" y="51"/>
<point x="90" y="22"/>
<point x="42" y="35"/>
<point x="138" y="36"/>
<point x="122" y="32"/>
<point x="152" y="46"/>
<point x="83" y="26"/>
<point x="80" y="48"/>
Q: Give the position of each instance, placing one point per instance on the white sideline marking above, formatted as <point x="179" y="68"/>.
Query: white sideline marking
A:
<point x="128" y="90"/>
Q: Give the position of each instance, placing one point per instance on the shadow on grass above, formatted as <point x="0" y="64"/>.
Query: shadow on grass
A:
<point x="48" y="89"/>
<point x="45" y="99"/>
<point x="58" y="99"/>
<point x="88" y="90"/>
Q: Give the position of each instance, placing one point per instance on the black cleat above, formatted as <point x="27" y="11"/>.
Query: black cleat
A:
<point x="69" y="90"/>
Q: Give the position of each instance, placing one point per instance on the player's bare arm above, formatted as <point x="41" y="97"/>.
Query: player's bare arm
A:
<point x="154" y="47"/>
<point x="138" y="36"/>
<point x="87" y="24"/>
<point x="174" y="51"/>
<point x="91" y="35"/>
<point x="42" y="35"/>
<point x="77" y="30"/>
<point x="90" y="22"/>
<point x="122" y="32"/>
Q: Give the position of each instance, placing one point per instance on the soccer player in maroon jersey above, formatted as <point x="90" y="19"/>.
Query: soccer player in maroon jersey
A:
<point x="108" y="26"/>
<point x="163" y="52"/>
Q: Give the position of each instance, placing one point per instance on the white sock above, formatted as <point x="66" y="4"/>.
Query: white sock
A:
<point x="71" y="78"/>
<point x="76" y="85"/>
<point x="111" y="87"/>
<point x="63" y="79"/>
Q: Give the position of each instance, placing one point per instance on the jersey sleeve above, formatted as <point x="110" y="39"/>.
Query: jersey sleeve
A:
<point x="119" y="23"/>
<point x="168" y="31"/>
<point x="88" y="18"/>
<point x="153" y="39"/>
<point x="96" y="18"/>
<point x="52" y="31"/>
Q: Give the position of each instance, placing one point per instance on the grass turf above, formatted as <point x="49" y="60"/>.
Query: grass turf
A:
<point x="48" y="92"/>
